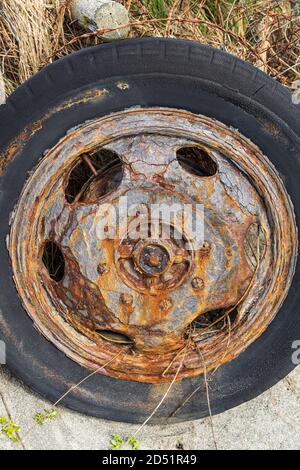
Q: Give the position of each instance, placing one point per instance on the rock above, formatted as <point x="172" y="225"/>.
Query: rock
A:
<point x="102" y="14"/>
<point x="2" y="90"/>
<point x="296" y="94"/>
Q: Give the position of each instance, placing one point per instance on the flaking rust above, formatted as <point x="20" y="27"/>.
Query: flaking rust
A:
<point x="154" y="293"/>
<point x="17" y="145"/>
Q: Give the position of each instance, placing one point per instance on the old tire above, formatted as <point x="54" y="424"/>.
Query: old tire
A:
<point x="166" y="73"/>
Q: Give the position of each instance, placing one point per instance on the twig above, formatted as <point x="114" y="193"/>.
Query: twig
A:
<point x="162" y="400"/>
<point x="170" y="386"/>
<point x="286" y="70"/>
<point x="208" y="402"/>
<point x="173" y="360"/>
<point x="171" y="13"/>
<point x="207" y="398"/>
<point x="86" y="378"/>
<point x="153" y="21"/>
<point x="227" y="21"/>
<point x="87" y="160"/>
<point x="226" y="349"/>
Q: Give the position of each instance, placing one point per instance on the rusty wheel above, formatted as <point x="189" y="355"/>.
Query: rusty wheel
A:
<point x="102" y="256"/>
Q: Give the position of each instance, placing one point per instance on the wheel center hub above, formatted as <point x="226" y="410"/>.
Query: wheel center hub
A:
<point x="151" y="264"/>
<point x="152" y="258"/>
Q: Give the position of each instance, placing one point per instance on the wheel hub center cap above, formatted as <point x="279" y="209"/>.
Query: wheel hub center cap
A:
<point x="152" y="258"/>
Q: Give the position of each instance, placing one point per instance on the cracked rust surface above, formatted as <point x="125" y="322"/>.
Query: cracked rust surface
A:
<point x="154" y="292"/>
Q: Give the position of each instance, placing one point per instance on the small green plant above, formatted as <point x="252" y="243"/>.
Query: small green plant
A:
<point x="133" y="442"/>
<point x="9" y="428"/>
<point x="117" y="442"/>
<point x="41" y="417"/>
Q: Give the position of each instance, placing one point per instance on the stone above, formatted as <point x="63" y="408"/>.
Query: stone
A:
<point x="2" y="90"/>
<point x="100" y="15"/>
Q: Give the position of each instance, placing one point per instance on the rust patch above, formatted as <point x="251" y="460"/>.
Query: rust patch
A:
<point x="161" y="296"/>
<point x="19" y="142"/>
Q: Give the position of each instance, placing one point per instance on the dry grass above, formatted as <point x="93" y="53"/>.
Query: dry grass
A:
<point x="266" y="33"/>
<point x="29" y="32"/>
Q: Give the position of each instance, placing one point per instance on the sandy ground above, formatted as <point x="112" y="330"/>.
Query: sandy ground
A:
<point x="271" y="421"/>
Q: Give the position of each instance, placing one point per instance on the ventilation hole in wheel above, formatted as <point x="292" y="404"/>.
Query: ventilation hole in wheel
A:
<point x="95" y="174"/>
<point x="212" y="322"/>
<point x="114" y="337"/>
<point x="196" y="161"/>
<point x="255" y="244"/>
<point x="53" y="260"/>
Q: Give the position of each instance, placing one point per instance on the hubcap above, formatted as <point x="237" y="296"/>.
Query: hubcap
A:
<point x="147" y="293"/>
<point x="152" y="258"/>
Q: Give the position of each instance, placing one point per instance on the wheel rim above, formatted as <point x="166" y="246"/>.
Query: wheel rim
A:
<point x="153" y="307"/>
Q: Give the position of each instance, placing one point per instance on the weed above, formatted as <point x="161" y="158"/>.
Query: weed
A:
<point x="133" y="442"/>
<point x="41" y="417"/>
<point x="9" y="428"/>
<point x="117" y="442"/>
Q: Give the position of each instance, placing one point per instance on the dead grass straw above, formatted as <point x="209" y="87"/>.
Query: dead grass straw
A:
<point x="263" y="32"/>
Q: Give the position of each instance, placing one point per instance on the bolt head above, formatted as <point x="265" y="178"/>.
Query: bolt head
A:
<point x="180" y="255"/>
<point x="165" y="304"/>
<point x="125" y="250"/>
<point x="198" y="283"/>
<point x="206" y="246"/>
<point x="126" y="298"/>
<point x="102" y="268"/>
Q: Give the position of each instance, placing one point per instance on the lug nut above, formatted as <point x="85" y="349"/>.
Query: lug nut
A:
<point x="165" y="304"/>
<point x="126" y="299"/>
<point x="179" y="256"/>
<point x="198" y="283"/>
<point x="206" y="246"/>
<point x="102" y="268"/>
<point x="125" y="250"/>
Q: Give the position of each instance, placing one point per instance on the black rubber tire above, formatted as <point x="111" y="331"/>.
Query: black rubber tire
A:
<point x="160" y="72"/>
